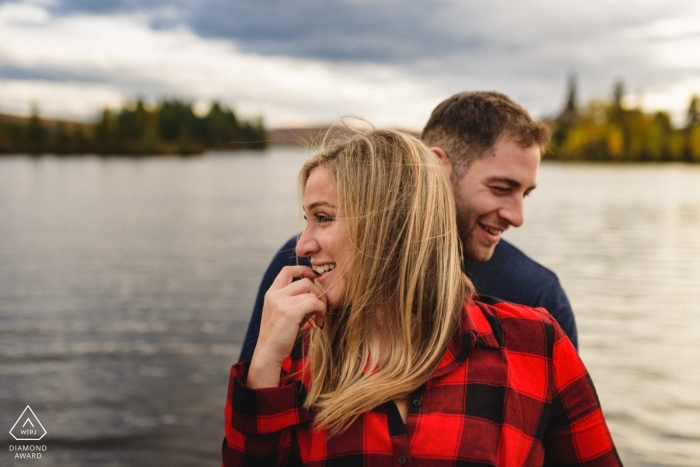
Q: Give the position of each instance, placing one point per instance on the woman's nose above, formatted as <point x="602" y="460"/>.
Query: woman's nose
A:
<point x="306" y="245"/>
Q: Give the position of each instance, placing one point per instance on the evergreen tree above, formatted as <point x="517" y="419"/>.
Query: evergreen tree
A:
<point x="572" y="94"/>
<point x="36" y="133"/>
<point x="693" y="115"/>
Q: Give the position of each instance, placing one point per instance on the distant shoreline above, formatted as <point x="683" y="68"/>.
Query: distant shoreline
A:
<point x="609" y="146"/>
<point x="137" y="129"/>
<point x="310" y="136"/>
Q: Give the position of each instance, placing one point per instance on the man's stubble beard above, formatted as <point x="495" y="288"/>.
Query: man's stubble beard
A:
<point x="465" y="230"/>
<point x="466" y="227"/>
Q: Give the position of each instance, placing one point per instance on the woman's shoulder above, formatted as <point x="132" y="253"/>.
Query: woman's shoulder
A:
<point x="513" y="326"/>
<point x="507" y="310"/>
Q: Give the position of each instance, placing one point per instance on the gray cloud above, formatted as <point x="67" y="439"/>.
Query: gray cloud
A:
<point x="42" y="73"/>
<point x="68" y="7"/>
<point x="336" y="30"/>
<point x="392" y="31"/>
<point x="478" y="39"/>
<point x="387" y="32"/>
<point x="525" y="49"/>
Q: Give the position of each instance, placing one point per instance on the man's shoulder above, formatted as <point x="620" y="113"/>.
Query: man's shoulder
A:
<point x="513" y="276"/>
<point x="508" y="261"/>
<point x="507" y="255"/>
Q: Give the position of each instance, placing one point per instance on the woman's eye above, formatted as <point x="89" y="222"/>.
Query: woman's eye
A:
<point x="323" y="218"/>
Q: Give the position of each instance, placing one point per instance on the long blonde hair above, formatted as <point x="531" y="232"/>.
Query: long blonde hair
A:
<point x="405" y="288"/>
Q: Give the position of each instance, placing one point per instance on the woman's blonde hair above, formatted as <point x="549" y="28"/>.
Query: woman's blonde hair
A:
<point x="405" y="289"/>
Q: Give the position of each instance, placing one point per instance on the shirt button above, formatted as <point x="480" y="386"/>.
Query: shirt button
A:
<point x="417" y="403"/>
<point x="402" y="459"/>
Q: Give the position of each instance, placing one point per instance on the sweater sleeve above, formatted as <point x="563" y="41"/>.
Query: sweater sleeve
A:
<point x="577" y="434"/>
<point x="286" y="256"/>
<point x="555" y="301"/>
<point x="259" y="422"/>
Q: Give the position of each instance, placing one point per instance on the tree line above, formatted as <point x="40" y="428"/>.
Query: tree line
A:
<point x="169" y="127"/>
<point x="607" y="130"/>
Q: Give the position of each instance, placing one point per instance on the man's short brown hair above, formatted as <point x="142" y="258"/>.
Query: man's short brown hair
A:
<point x="468" y="124"/>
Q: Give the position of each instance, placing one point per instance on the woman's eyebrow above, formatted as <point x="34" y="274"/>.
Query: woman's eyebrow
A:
<point x="319" y="204"/>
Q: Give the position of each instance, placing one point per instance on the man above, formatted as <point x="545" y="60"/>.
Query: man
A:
<point x="490" y="149"/>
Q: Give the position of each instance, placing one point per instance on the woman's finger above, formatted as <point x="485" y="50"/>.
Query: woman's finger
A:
<point x="289" y="273"/>
<point x="316" y="316"/>
<point x="303" y="286"/>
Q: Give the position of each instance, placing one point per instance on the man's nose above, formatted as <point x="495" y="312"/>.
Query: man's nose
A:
<point x="513" y="213"/>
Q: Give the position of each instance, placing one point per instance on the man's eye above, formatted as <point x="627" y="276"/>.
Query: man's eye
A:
<point x="500" y="190"/>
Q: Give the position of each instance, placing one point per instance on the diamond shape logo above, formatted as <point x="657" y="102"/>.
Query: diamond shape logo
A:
<point x="28" y="427"/>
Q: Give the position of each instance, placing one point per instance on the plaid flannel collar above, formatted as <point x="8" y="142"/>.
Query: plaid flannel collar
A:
<point x="478" y="328"/>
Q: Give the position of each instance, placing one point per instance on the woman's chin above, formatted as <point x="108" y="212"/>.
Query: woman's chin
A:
<point x="332" y="285"/>
<point x="332" y="300"/>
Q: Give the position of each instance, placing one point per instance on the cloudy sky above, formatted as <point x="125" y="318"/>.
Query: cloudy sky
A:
<point x="298" y="62"/>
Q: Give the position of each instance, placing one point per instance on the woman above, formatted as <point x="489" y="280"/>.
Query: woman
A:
<point x="398" y="362"/>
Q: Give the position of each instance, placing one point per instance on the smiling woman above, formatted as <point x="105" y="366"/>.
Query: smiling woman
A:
<point x="325" y="239"/>
<point x="381" y="354"/>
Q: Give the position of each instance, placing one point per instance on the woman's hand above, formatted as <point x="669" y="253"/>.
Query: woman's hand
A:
<point x="288" y="306"/>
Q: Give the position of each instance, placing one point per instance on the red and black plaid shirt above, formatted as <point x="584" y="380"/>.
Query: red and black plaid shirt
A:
<point x="510" y="391"/>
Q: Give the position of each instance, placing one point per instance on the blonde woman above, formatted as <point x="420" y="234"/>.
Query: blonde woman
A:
<point x="380" y="354"/>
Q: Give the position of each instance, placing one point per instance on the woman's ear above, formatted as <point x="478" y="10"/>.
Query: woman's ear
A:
<point x="444" y="160"/>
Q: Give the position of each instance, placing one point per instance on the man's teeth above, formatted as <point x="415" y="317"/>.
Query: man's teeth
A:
<point x="323" y="268"/>
<point x="492" y="231"/>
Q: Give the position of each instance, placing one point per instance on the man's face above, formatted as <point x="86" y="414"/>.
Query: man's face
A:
<point x="489" y="196"/>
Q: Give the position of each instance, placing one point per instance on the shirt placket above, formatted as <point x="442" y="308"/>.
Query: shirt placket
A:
<point x="400" y="433"/>
<point x="399" y="436"/>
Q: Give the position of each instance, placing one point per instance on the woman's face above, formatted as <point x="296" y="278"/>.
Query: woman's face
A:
<point x="324" y="239"/>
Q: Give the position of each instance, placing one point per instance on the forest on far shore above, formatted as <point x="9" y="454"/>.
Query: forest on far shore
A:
<point x="169" y="127"/>
<point x="607" y="130"/>
<point x="600" y="130"/>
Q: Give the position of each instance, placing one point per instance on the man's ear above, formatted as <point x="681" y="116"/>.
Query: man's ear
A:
<point x="444" y="160"/>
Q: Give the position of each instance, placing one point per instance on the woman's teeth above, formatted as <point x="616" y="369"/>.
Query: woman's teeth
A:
<point x="323" y="268"/>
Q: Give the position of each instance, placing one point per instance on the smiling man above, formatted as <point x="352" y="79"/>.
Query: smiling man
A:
<point x="490" y="148"/>
<point x="489" y="193"/>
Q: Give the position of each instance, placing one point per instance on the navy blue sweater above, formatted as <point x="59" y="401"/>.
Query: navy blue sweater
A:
<point x="509" y="275"/>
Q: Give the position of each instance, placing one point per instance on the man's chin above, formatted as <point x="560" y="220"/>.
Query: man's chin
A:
<point x="480" y="254"/>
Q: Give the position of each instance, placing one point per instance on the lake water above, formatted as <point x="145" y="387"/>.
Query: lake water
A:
<point x="126" y="286"/>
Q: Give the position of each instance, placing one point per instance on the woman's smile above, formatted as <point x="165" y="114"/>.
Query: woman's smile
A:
<point x="324" y="238"/>
<point x="322" y="269"/>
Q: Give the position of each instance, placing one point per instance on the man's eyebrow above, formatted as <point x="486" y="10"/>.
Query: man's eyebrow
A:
<point x="510" y="182"/>
<point x="320" y="204"/>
